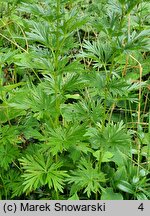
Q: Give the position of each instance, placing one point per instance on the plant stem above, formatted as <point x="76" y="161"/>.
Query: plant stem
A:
<point x="139" y="108"/>
<point x="57" y="104"/>
<point x="57" y="62"/>
<point x="140" y="88"/>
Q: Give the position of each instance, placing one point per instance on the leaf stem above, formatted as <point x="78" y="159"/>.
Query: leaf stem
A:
<point x="57" y="62"/>
<point x="139" y="108"/>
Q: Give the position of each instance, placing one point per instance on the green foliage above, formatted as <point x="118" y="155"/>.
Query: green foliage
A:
<point x="108" y="194"/>
<point x="86" y="177"/>
<point x="113" y="136"/>
<point x="74" y="99"/>
<point x="40" y="171"/>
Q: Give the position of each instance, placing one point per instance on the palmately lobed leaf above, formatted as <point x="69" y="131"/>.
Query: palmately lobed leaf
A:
<point x="39" y="171"/>
<point x="86" y="177"/>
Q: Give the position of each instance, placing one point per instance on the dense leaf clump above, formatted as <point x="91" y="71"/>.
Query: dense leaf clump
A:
<point x="74" y="99"/>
